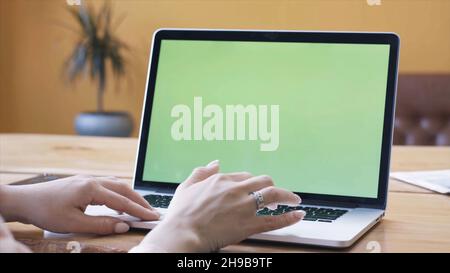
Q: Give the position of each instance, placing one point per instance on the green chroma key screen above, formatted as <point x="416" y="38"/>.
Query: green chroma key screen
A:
<point x="325" y="137"/>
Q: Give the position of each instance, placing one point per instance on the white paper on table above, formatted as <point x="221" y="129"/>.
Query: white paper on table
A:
<point x="438" y="180"/>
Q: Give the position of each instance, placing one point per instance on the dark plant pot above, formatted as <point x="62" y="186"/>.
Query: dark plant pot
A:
<point x="115" y="124"/>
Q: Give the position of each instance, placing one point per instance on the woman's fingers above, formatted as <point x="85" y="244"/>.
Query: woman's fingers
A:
<point x="268" y="223"/>
<point x="256" y="183"/>
<point x="238" y="176"/>
<point x="113" y="200"/>
<point x="273" y="195"/>
<point x="122" y="188"/>
<point x="201" y="173"/>
<point x="101" y="225"/>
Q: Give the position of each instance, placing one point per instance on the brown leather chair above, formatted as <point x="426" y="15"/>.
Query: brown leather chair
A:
<point x="423" y="110"/>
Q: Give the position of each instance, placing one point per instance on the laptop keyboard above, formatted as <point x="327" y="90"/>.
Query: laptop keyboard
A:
<point x="318" y="214"/>
<point x="158" y="201"/>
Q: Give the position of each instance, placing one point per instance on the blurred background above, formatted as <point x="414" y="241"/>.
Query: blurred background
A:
<point x="38" y="36"/>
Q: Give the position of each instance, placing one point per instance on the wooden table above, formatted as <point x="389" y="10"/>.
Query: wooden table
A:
<point x="417" y="220"/>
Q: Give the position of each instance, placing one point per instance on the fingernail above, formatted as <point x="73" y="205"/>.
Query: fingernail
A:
<point x="299" y="214"/>
<point x="121" y="228"/>
<point x="155" y="212"/>
<point x="299" y="199"/>
<point x="212" y="163"/>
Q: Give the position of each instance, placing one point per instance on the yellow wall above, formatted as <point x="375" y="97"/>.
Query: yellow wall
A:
<point x="34" y="98"/>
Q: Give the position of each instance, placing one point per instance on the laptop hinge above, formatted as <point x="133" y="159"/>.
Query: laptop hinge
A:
<point x="163" y="190"/>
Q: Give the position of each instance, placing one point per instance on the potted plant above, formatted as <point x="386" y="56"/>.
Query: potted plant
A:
<point x="97" y="48"/>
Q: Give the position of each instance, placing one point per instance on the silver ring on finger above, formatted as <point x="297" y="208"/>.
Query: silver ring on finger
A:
<point x="259" y="199"/>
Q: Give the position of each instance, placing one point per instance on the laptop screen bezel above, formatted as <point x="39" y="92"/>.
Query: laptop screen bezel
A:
<point x="390" y="39"/>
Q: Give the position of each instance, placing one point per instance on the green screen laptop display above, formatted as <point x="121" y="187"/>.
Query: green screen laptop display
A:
<point x="310" y="115"/>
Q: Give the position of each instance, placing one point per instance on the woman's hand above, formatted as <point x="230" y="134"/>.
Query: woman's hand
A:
<point x="59" y="205"/>
<point x="211" y="210"/>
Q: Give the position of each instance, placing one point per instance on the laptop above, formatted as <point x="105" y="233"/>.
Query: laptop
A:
<point x="314" y="110"/>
